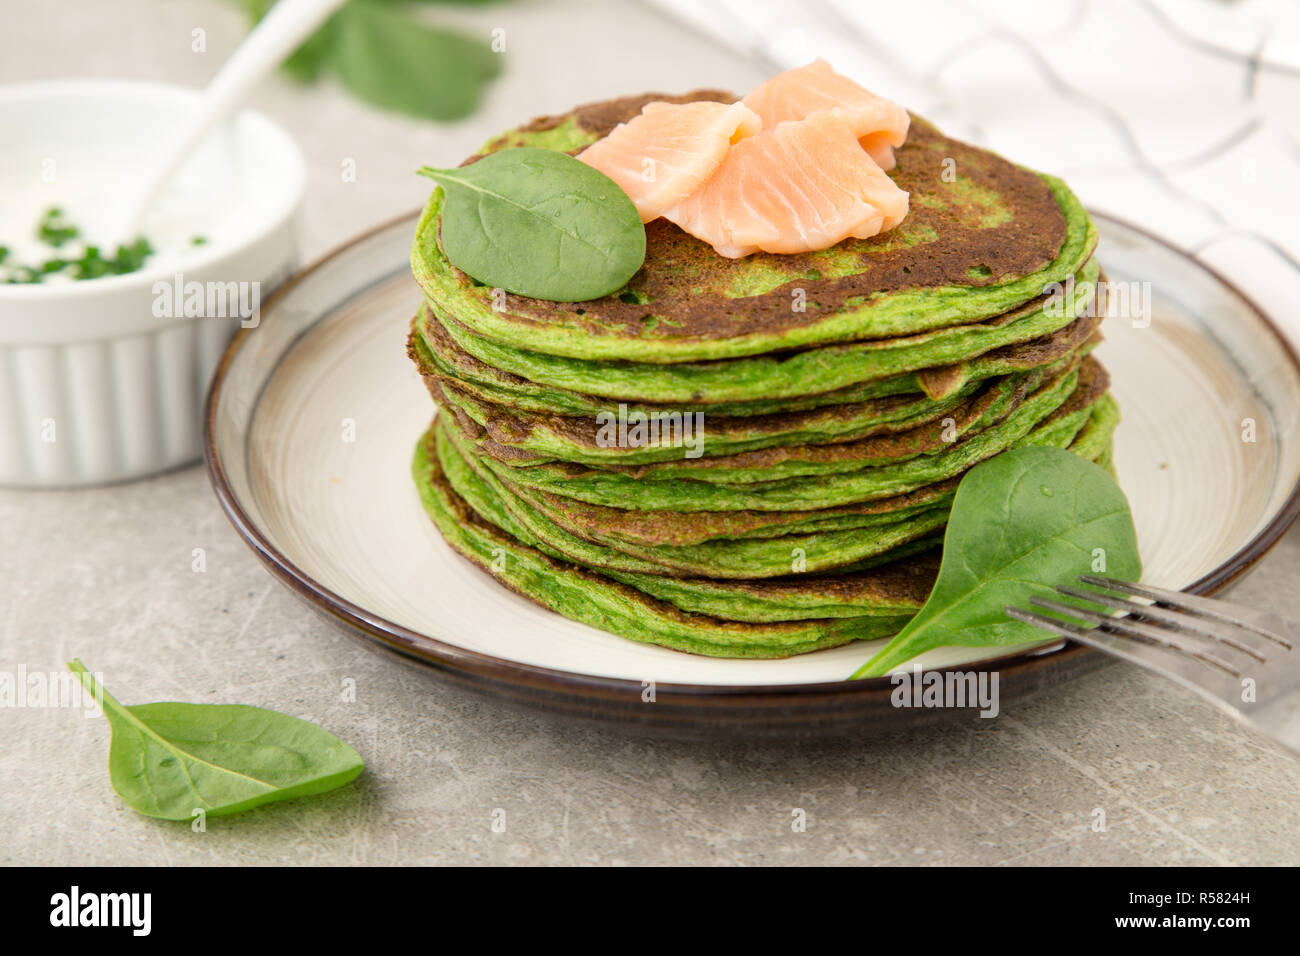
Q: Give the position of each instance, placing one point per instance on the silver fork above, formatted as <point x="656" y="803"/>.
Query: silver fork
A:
<point x="1244" y="661"/>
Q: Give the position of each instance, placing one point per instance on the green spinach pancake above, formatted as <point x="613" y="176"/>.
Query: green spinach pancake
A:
<point x="757" y="457"/>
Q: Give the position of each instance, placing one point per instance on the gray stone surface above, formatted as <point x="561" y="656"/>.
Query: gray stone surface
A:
<point x="105" y="574"/>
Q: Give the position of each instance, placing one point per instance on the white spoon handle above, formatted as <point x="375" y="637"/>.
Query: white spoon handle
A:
<point x="279" y="33"/>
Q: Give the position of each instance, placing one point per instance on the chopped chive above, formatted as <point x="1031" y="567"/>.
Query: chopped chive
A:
<point x="54" y="230"/>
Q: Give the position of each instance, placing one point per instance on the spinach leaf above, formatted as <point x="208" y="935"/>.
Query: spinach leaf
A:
<point x="169" y="759"/>
<point x="540" y="223"/>
<point x="384" y="54"/>
<point x="395" y="61"/>
<point x="305" y="63"/>
<point x="1021" y="523"/>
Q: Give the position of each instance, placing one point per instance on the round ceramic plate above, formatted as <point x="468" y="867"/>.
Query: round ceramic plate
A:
<point x="314" y="415"/>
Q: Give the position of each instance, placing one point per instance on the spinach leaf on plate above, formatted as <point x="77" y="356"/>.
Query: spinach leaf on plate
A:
<point x="540" y="223"/>
<point x="170" y="759"/>
<point x="1022" y="523"/>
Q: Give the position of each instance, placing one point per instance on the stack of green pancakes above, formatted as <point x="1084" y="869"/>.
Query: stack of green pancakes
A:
<point x="812" y="413"/>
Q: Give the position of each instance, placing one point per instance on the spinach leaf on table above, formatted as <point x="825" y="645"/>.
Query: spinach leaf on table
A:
<point x="170" y="759"/>
<point x="387" y="56"/>
<point x="395" y="61"/>
<point x="1022" y="523"/>
<point x="540" y="223"/>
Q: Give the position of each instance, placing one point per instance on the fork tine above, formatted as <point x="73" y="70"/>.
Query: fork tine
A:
<point x="1139" y="631"/>
<point x="1210" y="683"/>
<point x="1215" y="610"/>
<point x="1060" y="628"/>
<point x="1178" y="622"/>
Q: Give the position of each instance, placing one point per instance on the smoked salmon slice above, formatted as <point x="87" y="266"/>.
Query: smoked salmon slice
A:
<point x="796" y="187"/>
<point x="797" y="166"/>
<point x="669" y="150"/>
<point x="880" y="124"/>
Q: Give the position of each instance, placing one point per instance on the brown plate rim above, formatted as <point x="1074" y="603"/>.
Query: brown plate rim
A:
<point x="506" y="677"/>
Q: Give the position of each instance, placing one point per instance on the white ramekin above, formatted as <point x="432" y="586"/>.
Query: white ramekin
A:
<point x="94" y="387"/>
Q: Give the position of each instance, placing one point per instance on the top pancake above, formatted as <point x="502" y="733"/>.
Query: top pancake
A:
<point x="982" y="237"/>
